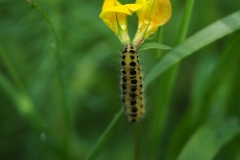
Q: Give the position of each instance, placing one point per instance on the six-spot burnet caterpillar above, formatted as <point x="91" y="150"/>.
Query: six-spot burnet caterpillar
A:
<point x="132" y="84"/>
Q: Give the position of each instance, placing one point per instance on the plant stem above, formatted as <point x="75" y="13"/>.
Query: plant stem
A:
<point x="160" y="40"/>
<point x="103" y="139"/>
<point x="65" y="110"/>
<point x="182" y="34"/>
<point x="7" y="62"/>
<point x="161" y="110"/>
<point x="23" y="104"/>
<point x="137" y="140"/>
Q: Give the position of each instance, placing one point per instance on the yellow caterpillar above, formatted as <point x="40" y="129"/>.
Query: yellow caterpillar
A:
<point x="132" y="84"/>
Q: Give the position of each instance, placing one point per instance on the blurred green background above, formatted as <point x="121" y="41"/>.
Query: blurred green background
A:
<point x="44" y="129"/>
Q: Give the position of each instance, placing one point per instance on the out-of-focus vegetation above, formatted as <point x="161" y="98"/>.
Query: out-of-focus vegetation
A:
<point x="56" y="99"/>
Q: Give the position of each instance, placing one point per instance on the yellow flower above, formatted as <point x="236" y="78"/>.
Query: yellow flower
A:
<point x="153" y="14"/>
<point x="114" y="16"/>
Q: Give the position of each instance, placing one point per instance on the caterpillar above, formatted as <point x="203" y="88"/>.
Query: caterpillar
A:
<point x="132" y="84"/>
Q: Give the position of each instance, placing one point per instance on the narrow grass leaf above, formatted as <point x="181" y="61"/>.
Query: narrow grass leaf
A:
<point x="9" y="65"/>
<point x="209" y="139"/>
<point x="167" y="81"/>
<point x="23" y="103"/>
<point x="153" y="45"/>
<point x="103" y="139"/>
<point x="60" y="72"/>
<point x="205" y="89"/>
<point x="213" y="32"/>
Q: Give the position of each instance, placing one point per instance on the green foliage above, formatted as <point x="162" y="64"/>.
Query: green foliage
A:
<point x="208" y="139"/>
<point x="153" y="45"/>
<point x="204" y="37"/>
<point x="59" y="94"/>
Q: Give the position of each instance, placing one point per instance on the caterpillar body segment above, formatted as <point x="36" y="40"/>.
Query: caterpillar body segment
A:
<point x="132" y="84"/>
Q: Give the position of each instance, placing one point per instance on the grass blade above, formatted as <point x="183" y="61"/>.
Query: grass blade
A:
<point x="209" y="138"/>
<point x="59" y="68"/>
<point x="162" y="108"/>
<point x="103" y="139"/>
<point x="58" y="60"/>
<point x="215" y="31"/>
<point x="201" y="104"/>
<point x="24" y="104"/>
<point x="9" y="65"/>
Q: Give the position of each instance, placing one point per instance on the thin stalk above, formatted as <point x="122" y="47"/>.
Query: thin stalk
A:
<point x="160" y="40"/>
<point x="166" y="86"/>
<point x="103" y="139"/>
<point x="44" y="146"/>
<point x="23" y="104"/>
<point x="20" y="98"/>
<point x="58" y="56"/>
<point x="182" y="34"/>
<point x="138" y="127"/>
<point x="58" y="60"/>
<point x="137" y="140"/>
<point x="160" y="113"/>
<point x="12" y="72"/>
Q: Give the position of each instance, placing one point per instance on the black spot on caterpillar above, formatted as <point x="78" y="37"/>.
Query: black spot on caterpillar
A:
<point x="134" y="88"/>
<point x="134" y="109"/>
<point x="133" y="51"/>
<point x="123" y="63"/>
<point x="133" y="64"/>
<point x="132" y="85"/>
<point x="124" y="86"/>
<point x="134" y="81"/>
<point x="133" y="72"/>
<point x="124" y="79"/>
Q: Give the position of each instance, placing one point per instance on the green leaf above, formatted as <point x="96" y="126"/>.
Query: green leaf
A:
<point x="153" y="45"/>
<point x="209" y="139"/>
<point x="213" y="32"/>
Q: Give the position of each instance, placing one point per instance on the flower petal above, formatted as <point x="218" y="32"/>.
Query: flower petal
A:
<point x="127" y="9"/>
<point x="156" y="11"/>
<point x="153" y="14"/>
<point x="108" y="4"/>
<point x="109" y="16"/>
<point x="133" y="7"/>
<point x="114" y="16"/>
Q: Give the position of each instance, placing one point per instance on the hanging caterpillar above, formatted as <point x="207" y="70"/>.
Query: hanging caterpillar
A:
<point x="132" y="84"/>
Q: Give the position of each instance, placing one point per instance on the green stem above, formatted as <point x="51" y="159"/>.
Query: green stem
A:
<point x="157" y="120"/>
<point x="167" y="80"/>
<point x="59" y="62"/>
<point x="182" y="34"/>
<point x="58" y="56"/>
<point x="7" y="62"/>
<point x="103" y="139"/>
<point x="137" y="140"/>
<point x="21" y="99"/>
<point x="23" y="104"/>
<point x="170" y="77"/>
<point x="160" y="40"/>
<point x="138" y="127"/>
